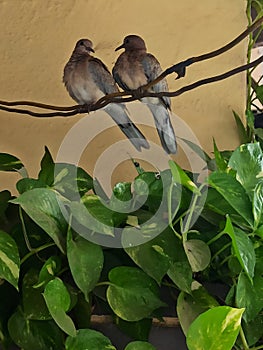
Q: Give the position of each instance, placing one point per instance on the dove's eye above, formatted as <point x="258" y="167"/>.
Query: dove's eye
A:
<point x="81" y="43"/>
<point x="127" y="41"/>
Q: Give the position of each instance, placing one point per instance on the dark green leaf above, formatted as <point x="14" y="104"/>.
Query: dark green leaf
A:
<point x="259" y="88"/>
<point x="88" y="339"/>
<point x="241" y="129"/>
<point x="29" y="334"/>
<point x="46" y="174"/>
<point x="249" y="296"/>
<point x="254" y="329"/>
<point x="247" y="161"/>
<point x="85" y="262"/>
<point x="5" y="196"/>
<point x="9" y="259"/>
<point x="58" y="302"/>
<point x="9" y="162"/>
<point x="215" y="329"/>
<point x="44" y="207"/>
<point x="130" y="286"/>
<point x="139" y="345"/>
<point x="34" y="305"/>
<point x="28" y="184"/>
<point x="136" y="330"/>
<point x="243" y="248"/>
<point x="198" y="254"/>
<point x="155" y="257"/>
<point x="221" y="164"/>
<point x="234" y="194"/>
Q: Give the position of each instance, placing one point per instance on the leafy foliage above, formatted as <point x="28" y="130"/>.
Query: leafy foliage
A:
<point x="60" y="275"/>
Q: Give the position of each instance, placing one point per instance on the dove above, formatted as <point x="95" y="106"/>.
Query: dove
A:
<point x="136" y="67"/>
<point x="87" y="79"/>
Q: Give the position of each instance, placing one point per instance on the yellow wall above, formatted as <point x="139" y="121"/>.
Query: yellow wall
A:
<point x="37" y="38"/>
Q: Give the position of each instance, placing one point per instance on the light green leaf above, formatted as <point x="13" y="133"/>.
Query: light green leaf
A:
<point x="234" y="193"/>
<point x="9" y="259"/>
<point x="155" y="256"/>
<point x="198" y="254"/>
<point x="130" y="286"/>
<point x="257" y="204"/>
<point x="44" y="207"/>
<point x="247" y="160"/>
<point x="139" y="345"/>
<point x="215" y="329"/>
<point x="88" y="339"/>
<point x="58" y="302"/>
<point x="85" y="261"/>
<point x="182" y="178"/>
<point x="243" y="248"/>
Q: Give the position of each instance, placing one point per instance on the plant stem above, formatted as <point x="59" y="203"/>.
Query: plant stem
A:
<point x="103" y="284"/>
<point x="36" y="250"/>
<point x="243" y="338"/>
<point x="221" y="250"/>
<point x="212" y="240"/>
<point x="170" y="216"/>
<point x="24" y="230"/>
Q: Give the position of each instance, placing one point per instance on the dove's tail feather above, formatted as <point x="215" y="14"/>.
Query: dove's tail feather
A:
<point x="164" y="127"/>
<point x="119" y="114"/>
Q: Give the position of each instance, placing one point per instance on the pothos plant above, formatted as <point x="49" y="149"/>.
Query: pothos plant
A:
<point x="55" y="273"/>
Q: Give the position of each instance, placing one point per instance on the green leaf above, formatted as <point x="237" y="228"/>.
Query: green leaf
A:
<point x="221" y="164"/>
<point x="139" y="345"/>
<point x="9" y="162"/>
<point x="9" y="259"/>
<point x="5" y="196"/>
<point x="34" y="305"/>
<point x="182" y="178"/>
<point x="29" y="334"/>
<point x="88" y="339"/>
<point x="259" y="88"/>
<point x="28" y="184"/>
<point x="247" y="161"/>
<point x="46" y="174"/>
<point x="257" y="204"/>
<point x="71" y="181"/>
<point x="128" y="287"/>
<point x="234" y="194"/>
<point x="102" y="224"/>
<point x="198" y="254"/>
<point x="155" y="256"/>
<point x="249" y="296"/>
<point x="198" y="150"/>
<point x="241" y="129"/>
<point x="58" y="302"/>
<point x="190" y="306"/>
<point x="85" y="262"/>
<point x="138" y="330"/>
<point x="254" y="329"/>
<point x="243" y="248"/>
<point x="215" y="329"/>
<point x="48" y="271"/>
<point x="121" y="197"/>
<point x="44" y="207"/>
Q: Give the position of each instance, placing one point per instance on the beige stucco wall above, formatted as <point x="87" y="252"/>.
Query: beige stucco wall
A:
<point x="37" y="37"/>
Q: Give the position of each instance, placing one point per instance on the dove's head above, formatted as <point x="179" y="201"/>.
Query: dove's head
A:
<point x="132" y="42"/>
<point x="84" y="46"/>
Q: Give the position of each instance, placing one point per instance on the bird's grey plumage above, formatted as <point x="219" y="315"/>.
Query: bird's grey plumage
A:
<point x="134" y="68"/>
<point x="87" y="79"/>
